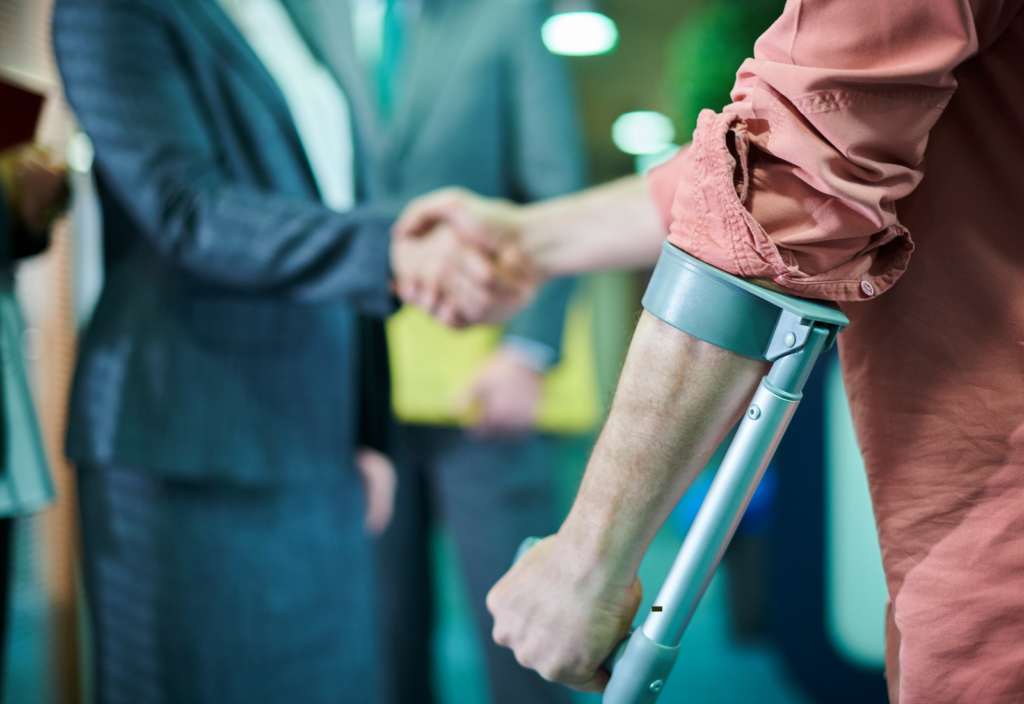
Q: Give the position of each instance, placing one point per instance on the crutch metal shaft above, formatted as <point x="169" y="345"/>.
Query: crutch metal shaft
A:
<point x="749" y="320"/>
<point x="752" y="448"/>
<point x="739" y="316"/>
<point x="639" y="673"/>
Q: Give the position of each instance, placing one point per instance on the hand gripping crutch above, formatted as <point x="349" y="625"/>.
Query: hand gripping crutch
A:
<point x="736" y="315"/>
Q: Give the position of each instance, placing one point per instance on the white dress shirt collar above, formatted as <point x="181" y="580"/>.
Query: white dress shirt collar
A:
<point x="317" y="104"/>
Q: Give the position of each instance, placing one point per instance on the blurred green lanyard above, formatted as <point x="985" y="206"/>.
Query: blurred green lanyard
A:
<point x="388" y="73"/>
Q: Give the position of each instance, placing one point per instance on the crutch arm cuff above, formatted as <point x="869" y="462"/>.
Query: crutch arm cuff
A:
<point x="731" y="313"/>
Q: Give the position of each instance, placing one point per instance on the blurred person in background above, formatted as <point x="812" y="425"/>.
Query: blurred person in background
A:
<point x="33" y="192"/>
<point x="813" y="181"/>
<point x="250" y="157"/>
<point x="223" y="409"/>
<point x="467" y="95"/>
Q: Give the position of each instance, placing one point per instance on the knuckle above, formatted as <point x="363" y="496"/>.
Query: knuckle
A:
<point x="500" y="635"/>
<point x="551" y="671"/>
<point x="491" y="600"/>
<point x="544" y="672"/>
<point x="575" y="667"/>
<point x="474" y="309"/>
<point x="553" y="663"/>
<point x="488" y="276"/>
<point x="527" y="657"/>
<point x="452" y="195"/>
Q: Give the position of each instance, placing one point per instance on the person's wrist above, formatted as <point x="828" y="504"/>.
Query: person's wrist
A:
<point x="531" y="237"/>
<point x="402" y="272"/>
<point x="591" y="545"/>
<point x="526" y="352"/>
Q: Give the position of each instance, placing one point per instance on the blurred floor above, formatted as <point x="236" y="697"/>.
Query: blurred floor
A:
<point x="712" y="667"/>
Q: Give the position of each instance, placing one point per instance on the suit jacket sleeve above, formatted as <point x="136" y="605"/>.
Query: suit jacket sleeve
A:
<point x="133" y="93"/>
<point x="546" y="153"/>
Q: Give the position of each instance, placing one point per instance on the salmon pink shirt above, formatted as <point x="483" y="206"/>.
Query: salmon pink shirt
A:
<point x="874" y="155"/>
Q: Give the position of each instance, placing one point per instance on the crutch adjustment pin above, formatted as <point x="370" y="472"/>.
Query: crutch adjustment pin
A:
<point x="656" y="685"/>
<point x="789" y="340"/>
<point x="754" y="412"/>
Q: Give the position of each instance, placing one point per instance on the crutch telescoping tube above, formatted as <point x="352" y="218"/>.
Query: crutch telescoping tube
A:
<point x="734" y="314"/>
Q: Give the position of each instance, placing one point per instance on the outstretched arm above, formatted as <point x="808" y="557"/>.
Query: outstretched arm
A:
<point x="566" y="603"/>
<point x="614" y="226"/>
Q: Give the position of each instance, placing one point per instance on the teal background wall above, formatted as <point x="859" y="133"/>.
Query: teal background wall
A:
<point x="856" y="583"/>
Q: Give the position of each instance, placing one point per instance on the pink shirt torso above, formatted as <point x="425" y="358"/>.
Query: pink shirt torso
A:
<point x="815" y="181"/>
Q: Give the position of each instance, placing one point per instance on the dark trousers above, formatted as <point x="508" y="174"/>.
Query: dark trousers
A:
<point x="491" y="493"/>
<point x="213" y="593"/>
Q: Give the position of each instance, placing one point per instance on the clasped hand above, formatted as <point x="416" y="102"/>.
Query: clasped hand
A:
<point x="458" y="256"/>
<point x="562" y="615"/>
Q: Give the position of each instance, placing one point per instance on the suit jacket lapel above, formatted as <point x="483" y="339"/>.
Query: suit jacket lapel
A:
<point x="223" y="34"/>
<point x="438" y="40"/>
<point x="326" y="26"/>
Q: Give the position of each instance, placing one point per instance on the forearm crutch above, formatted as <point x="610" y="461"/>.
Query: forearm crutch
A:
<point x="731" y="313"/>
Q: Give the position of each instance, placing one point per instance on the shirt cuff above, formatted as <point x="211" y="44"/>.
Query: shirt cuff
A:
<point x="535" y="355"/>
<point x="840" y="260"/>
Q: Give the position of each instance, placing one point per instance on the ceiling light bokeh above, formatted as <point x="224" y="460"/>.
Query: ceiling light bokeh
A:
<point x="646" y="162"/>
<point x="643" y="132"/>
<point x="580" y="34"/>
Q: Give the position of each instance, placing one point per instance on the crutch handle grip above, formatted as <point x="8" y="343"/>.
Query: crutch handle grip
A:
<point x="640" y="671"/>
<point x="524" y="546"/>
<point x="617" y="652"/>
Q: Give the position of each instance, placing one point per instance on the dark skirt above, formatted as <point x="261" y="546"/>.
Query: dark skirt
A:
<point x="221" y="594"/>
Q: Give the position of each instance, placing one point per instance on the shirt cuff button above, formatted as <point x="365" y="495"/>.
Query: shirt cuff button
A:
<point x="867" y="288"/>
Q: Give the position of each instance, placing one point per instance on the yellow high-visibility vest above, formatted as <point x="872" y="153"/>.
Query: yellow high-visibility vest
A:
<point x="433" y="368"/>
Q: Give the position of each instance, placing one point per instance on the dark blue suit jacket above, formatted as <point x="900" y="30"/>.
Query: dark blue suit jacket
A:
<point x="225" y="342"/>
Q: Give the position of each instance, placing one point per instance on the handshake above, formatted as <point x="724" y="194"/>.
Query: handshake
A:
<point x="468" y="259"/>
<point x="462" y="258"/>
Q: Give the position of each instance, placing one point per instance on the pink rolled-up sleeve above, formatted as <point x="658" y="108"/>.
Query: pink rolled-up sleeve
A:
<point x="797" y="180"/>
<point x="662" y="182"/>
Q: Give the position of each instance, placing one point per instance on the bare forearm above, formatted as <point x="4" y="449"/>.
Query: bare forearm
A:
<point x="614" y="226"/>
<point x="677" y="398"/>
